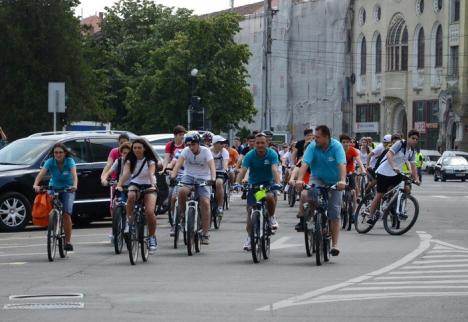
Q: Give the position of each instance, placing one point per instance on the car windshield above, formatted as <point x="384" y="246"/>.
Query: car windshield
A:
<point x="457" y="161"/>
<point x="24" y="151"/>
<point x="434" y="157"/>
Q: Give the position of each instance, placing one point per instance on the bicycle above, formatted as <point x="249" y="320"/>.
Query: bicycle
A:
<point x="137" y="236"/>
<point x="178" y="221"/>
<point x="347" y="207"/>
<point x="316" y="230"/>
<point x="292" y="196"/>
<point x="193" y="229"/>
<point x="55" y="229"/>
<point x="393" y="208"/>
<point x="261" y="230"/>
<point x="119" y="217"/>
<point x="227" y="194"/>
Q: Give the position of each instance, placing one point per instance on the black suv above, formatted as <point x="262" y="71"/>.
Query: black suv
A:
<point x="21" y="160"/>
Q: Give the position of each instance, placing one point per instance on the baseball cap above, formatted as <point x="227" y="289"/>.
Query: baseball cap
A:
<point x="218" y="139"/>
<point x="387" y="138"/>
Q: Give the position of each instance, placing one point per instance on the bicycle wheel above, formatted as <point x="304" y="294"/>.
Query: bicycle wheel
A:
<point x="118" y="218"/>
<point x="255" y="244"/>
<point x="308" y="232"/>
<point x="133" y="244"/>
<point x="266" y="238"/>
<point x="344" y="213"/>
<point x="143" y="238"/>
<point x="216" y="218"/>
<point x="318" y="237"/>
<point x="291" y="197"/>
<point x="191" y="231"/>
<point x="198" y="233"/>
<point x="177" y="227"/>
<point x="51" y="235"/>
<point x="326" y="238"/>
<point x="402" y="220"/>
<point x="61" y="240"/>
<point x="227" y="196"/>
<point x="361" y="216"/>
<point x="350" y="214"/>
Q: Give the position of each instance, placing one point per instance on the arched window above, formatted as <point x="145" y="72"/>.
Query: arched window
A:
<point x="421" y="49"/>
<point x="378" y="55"/>
<point x="438" y="47"/>
<point x="397" y="44"/>
<point x="363" y="56"/>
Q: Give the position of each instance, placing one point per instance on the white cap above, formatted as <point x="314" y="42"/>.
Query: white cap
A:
<point x="387" y="138"/>
<point x="218" y="139"/>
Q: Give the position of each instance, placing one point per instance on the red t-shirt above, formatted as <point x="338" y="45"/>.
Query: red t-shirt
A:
<point x="172" y="148"/>
<point x="350" y="155"/>
<point x="114" y="154"/>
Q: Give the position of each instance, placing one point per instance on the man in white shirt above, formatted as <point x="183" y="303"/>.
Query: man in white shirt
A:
<point x="221" y="160"/>
<point x="198" y="167"/>
<point x="388" y="172"/>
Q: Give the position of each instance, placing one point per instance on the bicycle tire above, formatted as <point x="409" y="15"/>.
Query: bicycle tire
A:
<point x="177" y="227"/>
<point x="133" y="244"/>
<point x="143" y="238"/>
<point x="255" y="248"/>
<point x="61" y="242"/>
<point x="318" y="237"/>
<point x="292" y="197"/>
<point x="51" y="238"/>
<point x="350" y="214"/>
<point x="388" y="228"/>
<point x="190" y="231"/>
<point x="265" y="240"/>
<point x="227" y="196"/>
<point x="360" y="216"/>
<point x="344" y="215"/>
<point x="308" y="232"/>
<point x="198" y="233"/>
<point x="326" y="238"/>
<point x="118" y="218"/>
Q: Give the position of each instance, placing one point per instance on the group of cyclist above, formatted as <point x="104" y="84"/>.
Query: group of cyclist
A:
<point x="192" y="158"/>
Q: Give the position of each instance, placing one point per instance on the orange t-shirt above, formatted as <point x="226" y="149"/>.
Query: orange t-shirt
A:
<point x="233" y="157"/>
<point x="350" y="155"/>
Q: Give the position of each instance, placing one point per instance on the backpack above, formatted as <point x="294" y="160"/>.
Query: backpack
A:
<point x="380" y="160"/>
<point x="41" y="208"/>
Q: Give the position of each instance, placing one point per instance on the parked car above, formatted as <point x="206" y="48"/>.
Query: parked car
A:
<point x="21" y="160"/>
<point x="430" y="160"/>
<point x="454" y="154"/>
<point x="451" y="168"/>
<point x="159" y="141"/>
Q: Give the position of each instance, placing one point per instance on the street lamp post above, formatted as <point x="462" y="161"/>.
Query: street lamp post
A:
<point x="193" y="74"/>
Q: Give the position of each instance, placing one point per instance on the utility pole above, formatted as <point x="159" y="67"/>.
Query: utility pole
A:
<point x="268" y="15"/>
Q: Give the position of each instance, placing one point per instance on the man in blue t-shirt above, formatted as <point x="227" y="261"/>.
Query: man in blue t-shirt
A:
<point x="262" y="163"/>
<point x="327" y="161"/>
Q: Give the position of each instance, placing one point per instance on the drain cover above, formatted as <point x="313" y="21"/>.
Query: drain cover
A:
<point x="43" y="306"/>
<point x="46" y="296"/>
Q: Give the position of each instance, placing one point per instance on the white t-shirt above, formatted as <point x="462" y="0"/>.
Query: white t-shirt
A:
<point x="197" y="165"/>
<point x="379" y="149"/>
<point x="399" y="157"/>
<point x="219" y="158"/>
<point x="363" y="156"/>
<point x="144" y="177"/>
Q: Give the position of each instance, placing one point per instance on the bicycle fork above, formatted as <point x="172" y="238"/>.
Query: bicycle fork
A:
<point x="191" y="205"/>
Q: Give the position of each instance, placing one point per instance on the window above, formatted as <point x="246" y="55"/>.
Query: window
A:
<point x="363" y="56"/>
<point x="368" y="113"/>
<point x="419" y="7"/>
<point x="378" y="55"/>
<point x="421" y="49"/>
<point x="438" y="47"/>
<point x="101" y="148"/>
<point x="78" y="150"/>
<point x="453" y="71"/>
<point x="455" y="11"/>
<point x="362" y="16"/>
<point x="377" y="13"/>
<point x="397" y="44"/>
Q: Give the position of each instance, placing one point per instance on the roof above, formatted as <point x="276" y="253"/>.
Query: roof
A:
<point x="246" y="10"/>
<point x="94" y="23"/>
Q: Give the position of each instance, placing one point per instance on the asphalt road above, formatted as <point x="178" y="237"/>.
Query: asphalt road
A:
<point x="421" y="276"/>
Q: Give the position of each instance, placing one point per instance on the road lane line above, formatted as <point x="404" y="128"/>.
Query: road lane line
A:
<point x="281" y="243"/>
<point x="448" y="251"/>
<point x="12" y="263"/>
<point x="376" y="296"/>
<point x="439" y="261"/>
<point x="22" y="254"/>
<point x="423" y="246"/>
<point x="446" y="256"/>
<point x="417" y="282"/>
<point x="430" y="272"/>
<point x="435" y="266"/>
<point x="383" y="288"/>
<point x="442" y="243"/>
<point x="419" y="277"/>
<point x="44" y="237"/>
<point x="42" y="245"/>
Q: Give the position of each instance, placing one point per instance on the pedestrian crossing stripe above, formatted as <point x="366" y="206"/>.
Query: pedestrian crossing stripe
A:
<point x="411" y="276"/>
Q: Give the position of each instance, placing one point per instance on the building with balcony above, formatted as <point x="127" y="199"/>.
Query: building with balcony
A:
<point x="410" y="70"/>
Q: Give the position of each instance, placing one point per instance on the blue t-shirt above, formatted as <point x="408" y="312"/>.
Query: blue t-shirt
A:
<point x="324" y="164"/>
<point x="60" y="179"/>
<point x="260" y="168"/>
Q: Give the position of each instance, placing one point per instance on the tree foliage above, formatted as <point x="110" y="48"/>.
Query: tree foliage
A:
<point x="41" y="43"/>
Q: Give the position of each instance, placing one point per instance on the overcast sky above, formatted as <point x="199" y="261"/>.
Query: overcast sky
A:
<point x="90" y="7"/>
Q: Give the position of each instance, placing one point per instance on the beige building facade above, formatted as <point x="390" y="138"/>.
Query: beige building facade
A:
<point x="410" y="70"/>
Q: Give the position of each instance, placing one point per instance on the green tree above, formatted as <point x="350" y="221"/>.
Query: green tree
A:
<point x="42" y="43"/>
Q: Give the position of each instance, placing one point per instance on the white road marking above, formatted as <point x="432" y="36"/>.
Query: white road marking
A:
<point x="43" y="244"/>
<point x="445" y="256"/>
<point x="397" y="276"/>
<point x="12" y="264"/>
<point x="430" y="272"/>
<point x="440" y="197"/>
<point x="281" y="243"/>
<point x="22" y="254"/>
<point x="44" y="237"/>
<point x="420" y="277"/>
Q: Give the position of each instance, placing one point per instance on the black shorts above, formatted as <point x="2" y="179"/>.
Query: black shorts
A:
<point x="371" y="173"/>
<point x="351" y="181"/>
<point x="384" y="183"/>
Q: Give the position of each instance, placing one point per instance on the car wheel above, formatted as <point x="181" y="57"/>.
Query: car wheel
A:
<point x="435" y="177"/>
<point x="15" y="211"/>
<point x="443" y="178"/>
<point x="463" y="180"/>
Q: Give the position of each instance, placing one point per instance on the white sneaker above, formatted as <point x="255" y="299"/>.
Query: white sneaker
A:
<point x="111" y="238"/>
<point x="247" y="246"/>
<point x="127" y="228"/>
<point x="274" y="223"/>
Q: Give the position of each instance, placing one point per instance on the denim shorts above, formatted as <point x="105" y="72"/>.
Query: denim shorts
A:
<point x="335" y="198"/>
<point x="201" y="192"/>
<point x="67" y="199"/>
